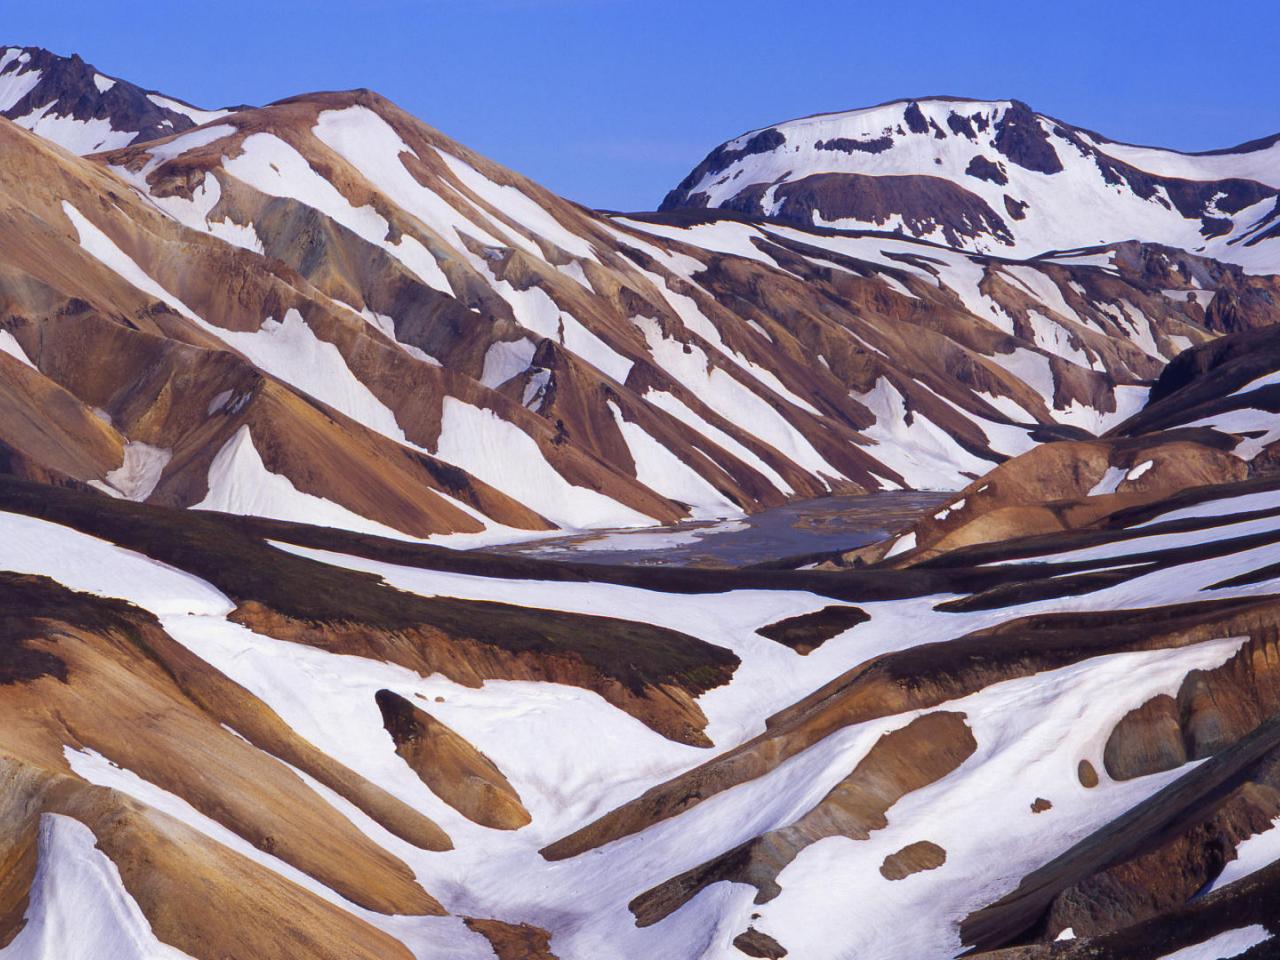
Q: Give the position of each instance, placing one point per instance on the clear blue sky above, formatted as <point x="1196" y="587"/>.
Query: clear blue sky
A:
<point x="611" y="102"/>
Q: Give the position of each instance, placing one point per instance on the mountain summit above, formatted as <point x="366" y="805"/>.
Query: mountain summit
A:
<point x="71" y="103"/>
<point x="993" y="177"/>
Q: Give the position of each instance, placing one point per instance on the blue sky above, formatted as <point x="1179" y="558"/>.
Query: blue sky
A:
<point x="611" y="102"/>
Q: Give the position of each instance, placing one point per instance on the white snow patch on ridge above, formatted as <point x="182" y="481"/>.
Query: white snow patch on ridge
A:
<point x="291" y="351"/>
<point x="674" y="406"/>
<point x="921" y="452"/>
<point x="240" y="483"/>
<point x="517" y="206"/>
<point x="275" y="167"/>
<point x="663" y="472"/>
<point x="137" y="476"/>
<point x="1224" y="946"/>
<point x="508" y="459"/>
<point x="9" y="344"/>
<point x="733" y="400"/>
<point x="372" y="146"/>
<point x="89" y="565"/>
<point x="79" y="908"/>
<point x="16" y="85"/>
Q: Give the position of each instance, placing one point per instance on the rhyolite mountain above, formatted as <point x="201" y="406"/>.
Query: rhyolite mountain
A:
<point x="995" y="177"/>
<point x="523" y="363"/>
<point x="248" y="364"/>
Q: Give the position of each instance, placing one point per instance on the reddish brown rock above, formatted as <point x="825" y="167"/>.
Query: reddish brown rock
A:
<point x="1087" y="775"/>
<point x="513" y="941"/>
<point x="456" y="772"/>
<point x="755" y="943"/>
<point x="913" y="858"/>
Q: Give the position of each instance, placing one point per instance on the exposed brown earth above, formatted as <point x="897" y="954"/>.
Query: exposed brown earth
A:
<point x="913" y="858"/>
<point x="1046" y="491"/>
<point x="514" y="941"/>
<point x="455" y="771"/>
<point x="920" y="753"/>
<point x="756" y="943"/>
<point x="1087" y="775"/>
<point x="808" y="631"/>
<point x="920" y="677"/>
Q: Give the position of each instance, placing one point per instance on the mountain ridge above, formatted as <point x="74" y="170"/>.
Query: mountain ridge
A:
<point x="986" y="169"/>
<point x="248" y="367"/>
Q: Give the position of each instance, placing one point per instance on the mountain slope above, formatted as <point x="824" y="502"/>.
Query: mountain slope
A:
<point x="981" y="731"/>
<point x="995" y="177"/>
<point x="626" y="351"/>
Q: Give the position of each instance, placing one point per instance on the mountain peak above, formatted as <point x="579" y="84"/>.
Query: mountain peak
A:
<point x="991" y="176"/>
<point x="69" y="101"/>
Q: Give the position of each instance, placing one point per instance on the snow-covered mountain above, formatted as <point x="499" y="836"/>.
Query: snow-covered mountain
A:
<point x="69" y="102"/>
<point x="595" y="371"/>
<point x="246" y="365"/>
<point x="995" y="177"/>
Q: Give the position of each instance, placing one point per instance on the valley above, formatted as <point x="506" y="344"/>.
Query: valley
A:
<point x="800" y="528"/>
<point x="873" y="552"/>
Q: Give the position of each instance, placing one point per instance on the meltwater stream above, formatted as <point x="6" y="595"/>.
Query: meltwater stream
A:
<point x="801" y="527"/>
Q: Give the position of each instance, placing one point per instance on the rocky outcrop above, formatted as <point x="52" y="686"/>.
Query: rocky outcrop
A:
<point x="1110" y="879"/>
<point x="808" y="631"/>
<point x="756" y="943"/>
<point x="913" y="858"/>
<point x="513" y="941"/>
<point x="68" y="100"/>
<point x="455" y="771"/>
<point x="1063" y="486"/>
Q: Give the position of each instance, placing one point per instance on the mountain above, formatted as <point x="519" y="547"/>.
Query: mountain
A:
<point x="611" y="358"/>
<point x="249" y="366"/>
<point x="995" y="177"/>
<point x="69" y="102"/>
<point x="1210" y="421"/>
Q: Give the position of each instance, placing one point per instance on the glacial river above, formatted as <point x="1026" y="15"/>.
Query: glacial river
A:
<point x="793" y="529"/>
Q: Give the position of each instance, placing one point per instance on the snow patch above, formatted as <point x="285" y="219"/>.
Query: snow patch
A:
<point x="240" y="483"/>
<point x="79" y="908"/>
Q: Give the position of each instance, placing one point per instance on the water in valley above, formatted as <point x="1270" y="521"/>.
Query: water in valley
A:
<point x="793" y="529"/>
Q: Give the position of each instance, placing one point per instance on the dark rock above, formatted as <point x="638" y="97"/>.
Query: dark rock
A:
<point x="845" y="145"/>
<point x="913" y="858"/>
<point x="1088" y="776"/>
<point x="984" y="169"/>
<point x="808" y="631"/>
<point x="916" y="122"/>
<point x="1020" y="137"/>
<point x="756" y="944"/>
<point x="1017" y="209"/>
